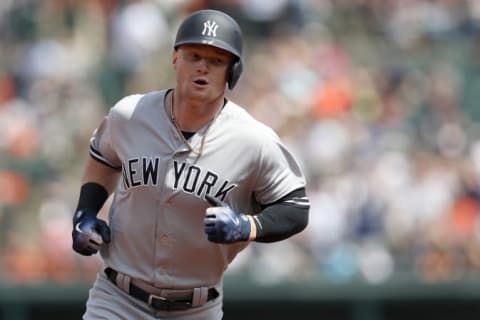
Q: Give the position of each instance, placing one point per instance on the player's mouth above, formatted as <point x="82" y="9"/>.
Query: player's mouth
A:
<point x="200" y="82"/>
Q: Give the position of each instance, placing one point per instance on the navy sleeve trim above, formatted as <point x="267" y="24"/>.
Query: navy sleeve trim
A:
<point x="95" y="154"/>
<point x="296" y="197"/>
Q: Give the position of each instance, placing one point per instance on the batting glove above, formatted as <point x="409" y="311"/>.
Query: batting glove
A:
<point x="223" y="225"/>
<point x="89" y="233"/>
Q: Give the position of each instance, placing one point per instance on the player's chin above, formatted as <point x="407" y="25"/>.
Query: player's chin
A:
<point x="208" y="91"/>
<point x="194" y="93"/>
<point x="201" y="91"/>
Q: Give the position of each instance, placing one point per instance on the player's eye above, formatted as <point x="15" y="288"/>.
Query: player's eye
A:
<point x="217" y="61"/>
<point x="192" y="56"/>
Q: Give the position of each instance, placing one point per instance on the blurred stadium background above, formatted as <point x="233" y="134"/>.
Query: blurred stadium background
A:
<point x="379" y="99"/>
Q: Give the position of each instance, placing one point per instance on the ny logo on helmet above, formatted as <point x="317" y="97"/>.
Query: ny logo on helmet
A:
<point x="210" y="28"/>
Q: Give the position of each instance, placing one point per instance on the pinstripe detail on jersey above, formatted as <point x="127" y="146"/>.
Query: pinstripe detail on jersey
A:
<point x="98" y="156"/>
<point x="301" y="202"/>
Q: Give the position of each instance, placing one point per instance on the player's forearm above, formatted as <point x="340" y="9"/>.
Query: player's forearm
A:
<point x="101" y="174"/>
<point x="253" y="229"/>
<point x="282" y="219"/>
<point x="98" y="182"/>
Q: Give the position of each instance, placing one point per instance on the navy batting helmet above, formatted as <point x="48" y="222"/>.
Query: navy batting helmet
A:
<point x="214" y="28"/>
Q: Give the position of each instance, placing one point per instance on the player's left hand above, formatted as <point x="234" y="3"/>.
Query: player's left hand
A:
<point x="223" y="225"/>
<point x="89" y="233"/>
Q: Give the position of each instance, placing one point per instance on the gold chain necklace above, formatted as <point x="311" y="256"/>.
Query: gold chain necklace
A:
<point x="180" y="133"/>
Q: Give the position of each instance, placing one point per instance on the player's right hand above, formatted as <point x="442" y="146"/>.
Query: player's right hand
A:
<point x="89" y="233"/>
<point x="223" y="225"/>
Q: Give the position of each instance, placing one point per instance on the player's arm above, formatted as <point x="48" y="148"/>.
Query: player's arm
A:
<point x="98" y="182"/>
<point x="277" y="221"/>
<point x="102" y="174"/>
<point x="281" y="219"/>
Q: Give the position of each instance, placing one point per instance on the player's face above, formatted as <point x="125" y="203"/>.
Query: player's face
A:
<point x="201" y="71"/>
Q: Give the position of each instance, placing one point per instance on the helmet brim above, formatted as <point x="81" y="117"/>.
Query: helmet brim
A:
<point x="210" y="42"/>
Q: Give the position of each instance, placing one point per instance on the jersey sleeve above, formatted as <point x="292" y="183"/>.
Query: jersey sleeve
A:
<point x="107" y="138"/>
<point x="278" y="173"/>
<point x="102" y="147"/>
<point x="102" y="143"/>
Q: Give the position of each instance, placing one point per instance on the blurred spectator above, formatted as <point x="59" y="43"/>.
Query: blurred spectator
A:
<point x="378" y="99"/>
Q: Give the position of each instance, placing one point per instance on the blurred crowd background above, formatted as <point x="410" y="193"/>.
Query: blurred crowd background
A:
<point x="378" y="99"/>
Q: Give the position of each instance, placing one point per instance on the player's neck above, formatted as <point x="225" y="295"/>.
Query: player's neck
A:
<point x="192" y="115"/>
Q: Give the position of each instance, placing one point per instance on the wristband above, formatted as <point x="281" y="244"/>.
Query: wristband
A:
<point x="92" y="196"/>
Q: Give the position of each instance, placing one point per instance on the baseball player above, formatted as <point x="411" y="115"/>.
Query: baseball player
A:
<point x="195" y="179"/>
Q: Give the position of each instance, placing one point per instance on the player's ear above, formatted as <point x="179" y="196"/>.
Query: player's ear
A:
<point x="174" y="59"/>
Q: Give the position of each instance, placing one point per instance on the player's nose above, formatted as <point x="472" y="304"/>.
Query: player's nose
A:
<point x="202" y="65"/>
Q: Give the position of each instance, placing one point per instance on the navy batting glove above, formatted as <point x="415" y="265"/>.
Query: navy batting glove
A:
<point x="89" y="233"/>
<point x="223" y="225"/>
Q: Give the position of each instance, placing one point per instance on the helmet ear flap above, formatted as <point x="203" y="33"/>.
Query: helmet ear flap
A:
<point x="234" y="73"/>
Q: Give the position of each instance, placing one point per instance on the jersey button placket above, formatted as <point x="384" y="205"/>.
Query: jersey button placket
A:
<point x="161" y="238"/>
<point x="162" y="253"/>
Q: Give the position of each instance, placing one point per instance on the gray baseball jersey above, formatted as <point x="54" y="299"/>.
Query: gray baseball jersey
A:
<point x="158" y="209"/>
